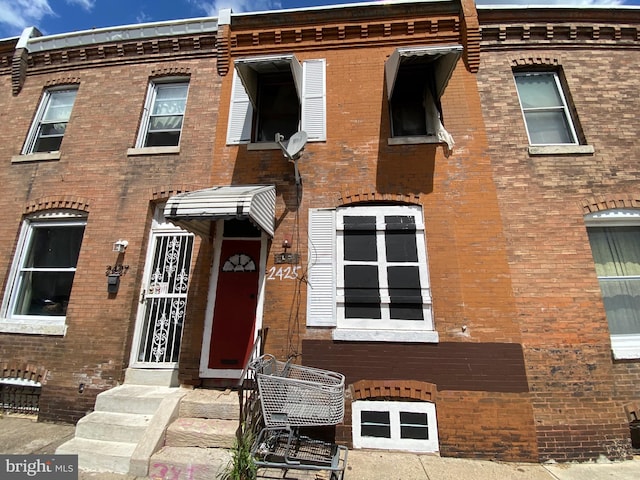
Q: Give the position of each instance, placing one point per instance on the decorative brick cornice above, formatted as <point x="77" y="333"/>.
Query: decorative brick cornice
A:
<point x="431" y="30"/>
<point x="19" y="70"/>
<point x="560" y="34"/>
<point x="393" y="389"/>
<point x="223" y="49"/>
<point x="54" y="203"/>
<point x="171" y="47"/>
<point x="23" y="371"/>
<point x="372" y="196"/>
<point x="609" y="202"/>
<point x="471" y="35"/>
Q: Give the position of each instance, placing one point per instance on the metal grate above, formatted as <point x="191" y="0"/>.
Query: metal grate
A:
<point x="19" y="398"/>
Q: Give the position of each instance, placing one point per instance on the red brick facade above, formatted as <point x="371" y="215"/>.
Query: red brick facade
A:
<point x="522" y="368"/>
<point x="577" y="392"/>
<point x="95" y="175"/>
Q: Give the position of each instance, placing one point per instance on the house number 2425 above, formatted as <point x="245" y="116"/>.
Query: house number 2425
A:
<point x="283" y="273"/>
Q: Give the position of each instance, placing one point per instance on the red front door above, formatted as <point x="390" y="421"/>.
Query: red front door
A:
<point x="234" y="314"/>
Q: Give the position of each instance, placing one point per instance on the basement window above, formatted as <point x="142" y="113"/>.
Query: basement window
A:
<point x="18" y="395"/>
<point x="391" y="425"/>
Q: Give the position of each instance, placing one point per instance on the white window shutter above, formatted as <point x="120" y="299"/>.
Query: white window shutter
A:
<point x="240" y="114"/>
<point x="314" y="100"/>
<point x="321" y="285"/>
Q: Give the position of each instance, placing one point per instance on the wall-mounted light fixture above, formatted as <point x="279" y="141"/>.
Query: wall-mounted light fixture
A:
<point x="114" y="272"/>
<point x="286" y="257"/>
<point x="120" y="246"/>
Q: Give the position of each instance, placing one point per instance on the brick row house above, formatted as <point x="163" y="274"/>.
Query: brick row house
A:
<point x="432" y="240"/>
<point x="563" y="149"/>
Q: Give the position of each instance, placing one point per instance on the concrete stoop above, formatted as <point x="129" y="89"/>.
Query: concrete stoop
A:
<point x="197" y="443"/>
<point x="188" y="463"/>
<point x="124" y="419"/>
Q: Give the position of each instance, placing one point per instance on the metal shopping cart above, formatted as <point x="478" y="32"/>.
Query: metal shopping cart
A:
<point x="293" y="396"/>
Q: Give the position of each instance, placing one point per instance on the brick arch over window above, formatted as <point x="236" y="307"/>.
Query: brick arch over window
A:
<point x="534" y="62"/>
<point x="170" y="72"/>
<point x="162" y="193"/>
<point x="393" y="389"/>
<point x="609" y="202"/>
<point x="23" y="371"/>
<point x="347" y="198"/>
<point x="50" y="203"/>
<point x="62" y="81"/>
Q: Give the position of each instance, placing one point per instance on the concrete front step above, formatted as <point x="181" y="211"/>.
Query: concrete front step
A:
<point x="98" y="455"/>
<point x="113" y="427"/>
<point x="188" y="463"/>
<point x="203" y="403"/>
<point x="132" y="399"/>
<point x="201" y="432"/>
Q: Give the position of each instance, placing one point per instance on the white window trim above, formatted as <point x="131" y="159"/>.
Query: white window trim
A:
<point x="384" y="328"/>
<point x="395" y="442"/>
<point x="152" y="91"/>
<point x="33" y="324"/>
<point x="325" y="297"/>
<point x="565" y="108"/>
<point x="310" y="82"/>
<point x="623" y="347"/>
<point x="32" y="136"/>
<point x="446" y="58"/>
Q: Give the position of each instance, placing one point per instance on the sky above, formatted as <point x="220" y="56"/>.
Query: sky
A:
<point x="62" y="16"/>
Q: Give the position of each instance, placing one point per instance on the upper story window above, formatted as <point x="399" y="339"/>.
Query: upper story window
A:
<point x="50" y="122"/>
<point x="545" y="108"/>
<point x="163" y="114"/>
<point x="368" y="274"/>
<point x="42" y="273"/>
<point x="276" y="94"/>
<point x="614" y="236"/>
<point x="416" y="80"/>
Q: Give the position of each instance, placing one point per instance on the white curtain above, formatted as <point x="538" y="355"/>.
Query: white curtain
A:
<point x="434" y="123"/>
<point x="616" y="251"/>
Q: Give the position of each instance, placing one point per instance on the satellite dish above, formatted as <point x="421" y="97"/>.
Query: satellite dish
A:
<point x="292" y="149"/>
<point x="296" y="143"/>
<point x="294" y="146"/>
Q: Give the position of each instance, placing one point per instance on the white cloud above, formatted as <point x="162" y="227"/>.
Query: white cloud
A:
<point x="142" y="17"/>
<point x="86" y="4"/>
<point x="15" y="15"/>
<point x="211" y="8"/>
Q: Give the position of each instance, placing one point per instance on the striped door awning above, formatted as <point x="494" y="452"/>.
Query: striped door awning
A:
<point x="194" y="211"/>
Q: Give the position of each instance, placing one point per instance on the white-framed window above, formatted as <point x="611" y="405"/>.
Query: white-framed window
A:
<point x="42" y="273"/>
<point x="545" y="109"/>
<point x="368" y="274"/>
<point x="163" y="115"/>
<point x="395" y="425"/>
<point x="614" y="236"/>
<point x="50" y="122"/>
<point x="416" y="80"/>
<point x="277" y="94"/>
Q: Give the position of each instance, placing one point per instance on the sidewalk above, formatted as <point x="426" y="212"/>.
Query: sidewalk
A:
<point x="23" y="435"/>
